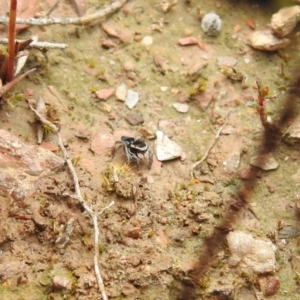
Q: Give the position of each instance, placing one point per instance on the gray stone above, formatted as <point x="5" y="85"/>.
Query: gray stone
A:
<point x="134" y="119"/>
<point x="211" y="24"/>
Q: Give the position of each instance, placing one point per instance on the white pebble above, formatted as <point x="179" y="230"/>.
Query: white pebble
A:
<point x="211" y="24"/>
<point x="252" y="255"/>
<point x="147" y="40"/>
<point x="132" y="99"/>
<point x="165" y="148"/>
<point x="121" y="92"/>
<point x="181" y="107"/>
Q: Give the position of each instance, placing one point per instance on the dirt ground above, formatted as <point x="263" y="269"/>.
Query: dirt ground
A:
<point x="151" y="237"/>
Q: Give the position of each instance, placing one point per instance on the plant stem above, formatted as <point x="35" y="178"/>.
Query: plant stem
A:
<point x="11" y="40"/>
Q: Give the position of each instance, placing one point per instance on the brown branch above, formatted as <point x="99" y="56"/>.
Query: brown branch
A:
<point x="12" y="83"/>
<point x="11" y="40"/>
<point x="212" y="244"/>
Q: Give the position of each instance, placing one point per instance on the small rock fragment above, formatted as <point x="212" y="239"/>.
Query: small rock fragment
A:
<point x="147" y="40"/>
<point x="267" y="41"/>
<point x="104" y="94"/>
<point x="196" y="68"/>
<point x="252" y="255"/>
<point x="285" y="20"/>
<point x="121" y="92"/>
<point x="181" y="107"/>
<point x="134" y="119"/>
<point x="132" y="99"/>
<point x="269" y="285"/>
<point x="165" y="148"/>
<point x="12" y="269"/>
<point x="62" y="283"/>
<point x="134" y="232"/>
<point x="265" y="162"/>
<point x="49" y="146"/>
<point x="117" y="31"/>
<point x="292" y="135"/>
<point x="226" y="61"/>
<point x="211" y="24"/>
<point x="80" y="6"/>
<point x="102" y="143"/>
<point x="106" y="108"/>
<point x="128" y="289"/>
<point x="250" y="23"/>
<point x="186" y="41"/>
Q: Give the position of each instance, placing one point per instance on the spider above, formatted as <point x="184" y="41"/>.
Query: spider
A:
<point x="133" y="147"/>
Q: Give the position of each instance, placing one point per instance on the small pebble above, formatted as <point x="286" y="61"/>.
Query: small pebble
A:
<point x="134" y="119"/>
<point x="147" y="40"/>
<point x="62" y="283"/>
<point x="104" y="94"/>
<point x="273" y="285"/>
<point x="267" y="41"/>
<point x="165" y="148"/>
<point x="265" y="162"/>
<point x="226" y="61"/>
<point x="181" y="107"/>
<point x="121" y="92"/>
<point x="211" y="24"/>
<point x="190" y="40"/>
<point x="132" y="99"/>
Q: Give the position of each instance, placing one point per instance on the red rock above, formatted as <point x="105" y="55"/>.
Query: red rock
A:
<point x="49" y="146"/>
<point x="186" y="41"/>
<point x="105" y="93"/>
<point x="204" y="100"/>
<point x="272" y="286"/>
<point x="80" y="6"/>
<point x="134" y="232"/>
<point x="102" y="143"/>
<point x="128" y="289"/>
<point x="250" y="23"/>
<point x="117" y="31"/>
<point x="62" y="283"/>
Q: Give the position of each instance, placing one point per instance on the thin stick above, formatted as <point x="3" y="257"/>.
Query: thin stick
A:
<point x="12" y="83"/>
<point x="217" y="136"/>
<point x="78" y="196"/>
<point x="39" y="45"/>
<point x="11" y="40"/>
<point x="85" y="20"/>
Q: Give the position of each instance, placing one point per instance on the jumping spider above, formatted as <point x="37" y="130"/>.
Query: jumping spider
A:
<point x="133" y="147"/>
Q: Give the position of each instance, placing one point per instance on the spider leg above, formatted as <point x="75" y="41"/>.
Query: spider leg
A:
<point x="150" y="158"/>
<point x="116" y="149"/>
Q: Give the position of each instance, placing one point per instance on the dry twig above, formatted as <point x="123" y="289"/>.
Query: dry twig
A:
<point x="39" y="45"/>
<point x="85" y="20"/>
<point x="78" y="196"/>
<point x="217" y="136"/>
<point x="4" y="89"/>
